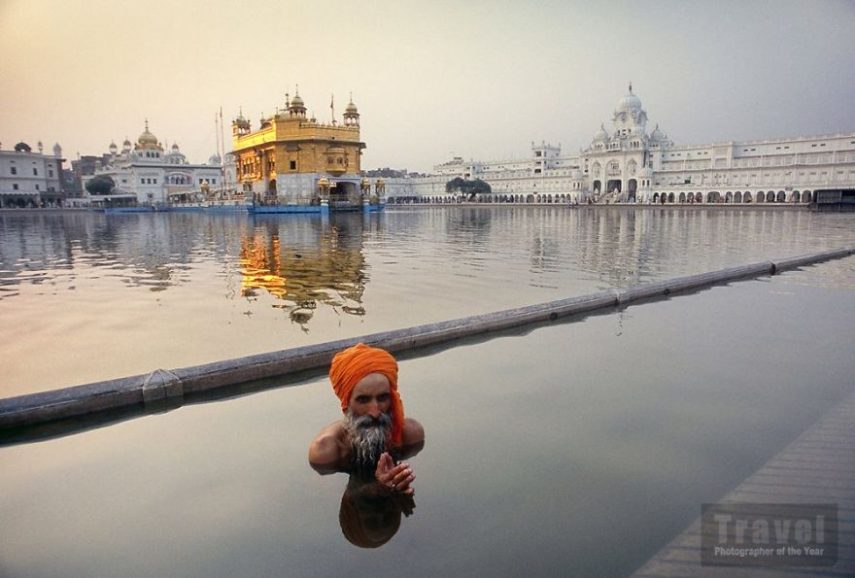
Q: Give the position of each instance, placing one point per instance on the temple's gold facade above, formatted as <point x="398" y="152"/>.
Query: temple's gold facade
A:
<point x="292" y="159"/>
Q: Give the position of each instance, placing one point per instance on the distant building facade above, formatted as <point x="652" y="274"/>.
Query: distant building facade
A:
<point x="145" y="173"/>
<point x="630" y="164"/>
<point x="291" y="159"/>
<point x="30" y="179"/>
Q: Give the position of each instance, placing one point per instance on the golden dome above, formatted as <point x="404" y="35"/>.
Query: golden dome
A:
<point x="146" y="139"/>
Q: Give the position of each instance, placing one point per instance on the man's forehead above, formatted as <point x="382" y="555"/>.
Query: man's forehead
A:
<point x="372" y="383"/>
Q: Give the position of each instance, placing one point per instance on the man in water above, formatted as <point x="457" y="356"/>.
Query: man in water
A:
<point x="374" y="433"/>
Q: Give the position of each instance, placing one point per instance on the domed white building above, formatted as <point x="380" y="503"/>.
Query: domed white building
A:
<point x="629" y="165"/>
<point x="144" y="173"/>
<point x="618" y="166"/>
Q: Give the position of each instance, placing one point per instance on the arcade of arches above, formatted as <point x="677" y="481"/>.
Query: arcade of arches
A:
<point x="709" y="198"/>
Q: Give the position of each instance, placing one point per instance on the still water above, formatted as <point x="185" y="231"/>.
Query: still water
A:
<point x="574" y="448"/>
<point x="101" y="297"/>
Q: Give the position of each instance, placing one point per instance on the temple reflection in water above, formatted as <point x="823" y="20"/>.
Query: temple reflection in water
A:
<point x="304" y="263"/>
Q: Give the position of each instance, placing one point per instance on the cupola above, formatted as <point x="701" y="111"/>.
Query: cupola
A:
<point x="628" y="103"/>
<point x="351" y="114"/>
<point x="296" y="107"/>
<point x="147" y="140"/>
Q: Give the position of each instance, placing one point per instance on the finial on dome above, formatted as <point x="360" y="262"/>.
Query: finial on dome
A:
<point x="630" y="87"/>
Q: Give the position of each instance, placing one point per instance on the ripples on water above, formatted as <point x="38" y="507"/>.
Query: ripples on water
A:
<point x="168" y="290"/>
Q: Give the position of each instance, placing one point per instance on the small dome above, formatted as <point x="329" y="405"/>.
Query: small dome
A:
<point x="657" y="135"/>
<point x="146" y="139"/>
<point x="351" y="108"/>
<point x="113" y="148"/>
<point x="22" y="147"/>
<point x="126" y="145"/>
<point x="175" y="147"/>
<point x="214" y="159"/>
<point x="601" y="135"/>
<point x="628" y="103"/>
<point x="296" y="106"/>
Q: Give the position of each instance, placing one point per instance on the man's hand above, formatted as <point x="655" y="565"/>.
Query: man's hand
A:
<point x="396" y="478"/>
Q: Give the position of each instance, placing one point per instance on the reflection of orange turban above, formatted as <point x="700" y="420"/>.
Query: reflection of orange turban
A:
<point x="351" y="365"/>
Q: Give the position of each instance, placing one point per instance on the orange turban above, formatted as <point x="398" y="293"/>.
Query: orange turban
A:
<point x="351" y="365"/>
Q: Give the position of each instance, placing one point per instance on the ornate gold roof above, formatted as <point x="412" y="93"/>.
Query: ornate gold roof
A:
<point x="146" y="139"/>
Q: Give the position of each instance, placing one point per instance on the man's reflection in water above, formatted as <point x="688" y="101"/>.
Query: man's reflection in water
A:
<point x="370" y="514"/>
<point x="369" y="442"/>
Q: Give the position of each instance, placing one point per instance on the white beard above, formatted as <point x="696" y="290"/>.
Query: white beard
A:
<point x="368" y="437"/>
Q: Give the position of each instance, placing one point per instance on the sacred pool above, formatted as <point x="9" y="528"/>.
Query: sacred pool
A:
<point x="579" y="447"/>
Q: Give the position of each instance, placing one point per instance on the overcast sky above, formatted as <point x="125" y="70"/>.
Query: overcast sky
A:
<point x="432" y="79"/>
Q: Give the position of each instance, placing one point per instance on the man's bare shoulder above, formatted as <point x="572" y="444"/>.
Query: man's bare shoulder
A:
<point x="328" y="450"/>
<point x="412" y="439"/>
<point x="413" y="432"/>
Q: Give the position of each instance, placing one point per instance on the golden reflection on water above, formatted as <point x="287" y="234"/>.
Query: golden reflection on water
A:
<point x="329" y="270"/>
<point x="176" y="290"/>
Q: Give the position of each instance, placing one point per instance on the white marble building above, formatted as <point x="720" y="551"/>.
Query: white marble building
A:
<point x="628" y="164"/>
<point x="30" y="179"/>
<point x="147" y="174"/>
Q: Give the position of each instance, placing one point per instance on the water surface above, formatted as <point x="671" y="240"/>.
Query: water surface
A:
<point x="576" y="448"/>
<point x="102" y="297"/>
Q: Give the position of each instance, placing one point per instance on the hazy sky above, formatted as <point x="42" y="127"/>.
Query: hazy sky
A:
<point x="432" y="79"/>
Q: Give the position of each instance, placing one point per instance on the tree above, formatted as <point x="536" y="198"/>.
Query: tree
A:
<point x="468" y="188"/>
<point x="479" y="187"/>
<point x="100" y="185"/>
<point x="454" y="184"/>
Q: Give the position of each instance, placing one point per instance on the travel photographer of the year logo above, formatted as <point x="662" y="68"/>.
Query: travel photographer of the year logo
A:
<point x="758" y="534"/>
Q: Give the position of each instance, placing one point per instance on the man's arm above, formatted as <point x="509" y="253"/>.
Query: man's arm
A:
<point x="327" y="451"/>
